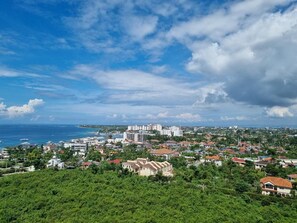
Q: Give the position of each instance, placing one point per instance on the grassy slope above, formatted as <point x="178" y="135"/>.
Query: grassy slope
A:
<point x="80" y="196"/>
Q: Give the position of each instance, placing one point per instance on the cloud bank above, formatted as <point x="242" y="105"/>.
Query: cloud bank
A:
<point x="18" y="111"/>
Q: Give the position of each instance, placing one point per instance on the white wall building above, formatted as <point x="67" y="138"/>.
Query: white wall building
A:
<point x="276" y="185"/>
<point x="149" y="127"/>
<point x="144" y="167"/>
<point x="78" y="148"/>
<point x="55" y="162"/>
<point x="135" y="136"/>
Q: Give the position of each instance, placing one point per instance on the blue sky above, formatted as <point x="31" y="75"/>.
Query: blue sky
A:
<point x="131" y="62"/>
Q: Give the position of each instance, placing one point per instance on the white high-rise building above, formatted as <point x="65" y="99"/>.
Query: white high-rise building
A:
<point x="149" y="127"/>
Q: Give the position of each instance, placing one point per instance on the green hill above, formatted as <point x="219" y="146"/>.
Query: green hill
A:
<point x="80" y="196"/>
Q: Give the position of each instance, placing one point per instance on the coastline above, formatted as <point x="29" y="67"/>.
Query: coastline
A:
<point x="11" y="135"/>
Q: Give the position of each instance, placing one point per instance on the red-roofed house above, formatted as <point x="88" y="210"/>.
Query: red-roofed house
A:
<point x="240" y="162"/>
<point x="292" y="177"/>
<point x="86" y="165"/>
<point x="276" y="185"/>
<point x="115" y="161"/>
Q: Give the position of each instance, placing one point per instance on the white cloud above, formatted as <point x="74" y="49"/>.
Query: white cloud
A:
<point x="2" y="107"/>
<point x="138" y="27"/>
<point x="17" y="111"/>
<point x="189" y="116"/>
<point x="112" y="116"/>
<point x="139" y="87"/>
<point x="223" y="21"/>
<point x="182" y="116"/>
<point x="279" y="112"/>
<point x="7" y="72"/>
<point x="237" y="118"/>
<point x="247" y="46"/>
<point x="212" y="93"/>
<point x="159" y="69"/>
<point x="36" y="118"/>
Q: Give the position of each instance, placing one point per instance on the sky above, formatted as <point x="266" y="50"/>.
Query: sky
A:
<point x="181" y="62"/>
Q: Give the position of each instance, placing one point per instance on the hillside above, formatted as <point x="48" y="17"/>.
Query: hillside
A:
<point x="81" y="196"/>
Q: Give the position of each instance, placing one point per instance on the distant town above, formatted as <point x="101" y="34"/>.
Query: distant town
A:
<point x="268" y="156"/>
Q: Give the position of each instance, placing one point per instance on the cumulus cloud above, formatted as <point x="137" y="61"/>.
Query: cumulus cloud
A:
<point x="212" y="93"/>
<point x="279" y="112"/>
<point x="249" y="47"/>
<point x="17" y="111"/>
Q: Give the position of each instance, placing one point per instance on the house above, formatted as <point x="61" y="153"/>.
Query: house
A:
<point x="259" y="165"/>
<point x="288" y="162"/>
<point x="240" y="162"/>
<point x="292" y="177"/>
<point x="80" y="149"/>
<point x="164" y="153"/>
<point x="144" y="167"/>
<point x="115" y="161"/>
<point x="134" y="165"/>
<point x="275" y="185"/>
<point x="86" y="165"/>
<point x="30" y="168"/>
<point x="55" y="162"/>
<point x="217" y="160"/>
<point x="152" y="168"/>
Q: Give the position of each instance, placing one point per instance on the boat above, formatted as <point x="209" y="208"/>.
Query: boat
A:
<point x="24" y="139"/>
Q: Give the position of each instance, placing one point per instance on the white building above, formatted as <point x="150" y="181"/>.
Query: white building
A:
<point x="149" y="127"/>
<point x="55" y="162"/>
<point x="275" y="185"/>
<point x="78" y="148"/>
<point x="144" y="167"/>
<point x="166" y="132"/>
<point x="172" y="131"/>
<point x="135" y="136"/>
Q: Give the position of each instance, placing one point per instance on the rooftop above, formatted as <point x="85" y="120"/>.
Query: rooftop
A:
<point x="277" y="181"/>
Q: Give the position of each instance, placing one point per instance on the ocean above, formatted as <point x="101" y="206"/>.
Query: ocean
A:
<point x="11" y="135"/>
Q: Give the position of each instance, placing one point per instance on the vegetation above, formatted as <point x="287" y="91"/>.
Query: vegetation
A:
<point x="109" y="194"/>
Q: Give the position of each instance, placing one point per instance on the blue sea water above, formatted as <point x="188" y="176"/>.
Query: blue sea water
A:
<point x="10" y="135"/>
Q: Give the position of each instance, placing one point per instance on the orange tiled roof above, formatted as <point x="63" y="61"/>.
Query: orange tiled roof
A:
<point x="213" y="157"/>
<point x="277" y="181"/>
<point x="162" y="151"/>
<point x="238" y="160"/>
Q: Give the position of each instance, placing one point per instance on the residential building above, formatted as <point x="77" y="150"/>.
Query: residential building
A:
<point x="239" y="161"/>
<point x="164" y="153"/>
<point x="55" y="162"/>
<point x="259" y="165"/>
<point x="217" y="160"/>
<point x="172" y="131"/>
<point x="288" y="162"/>
<point x="144" y="167"/>
<point x="135" y="136"/>
<point x="149" y="127"/>
<point x="276" y="185"/>
<point x="292" y="177"/>
<point x="115" y="161"/>
<point x="78" y="148"/>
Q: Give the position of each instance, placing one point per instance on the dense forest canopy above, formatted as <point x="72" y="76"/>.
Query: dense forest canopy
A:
<point x="82" y="196"/>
